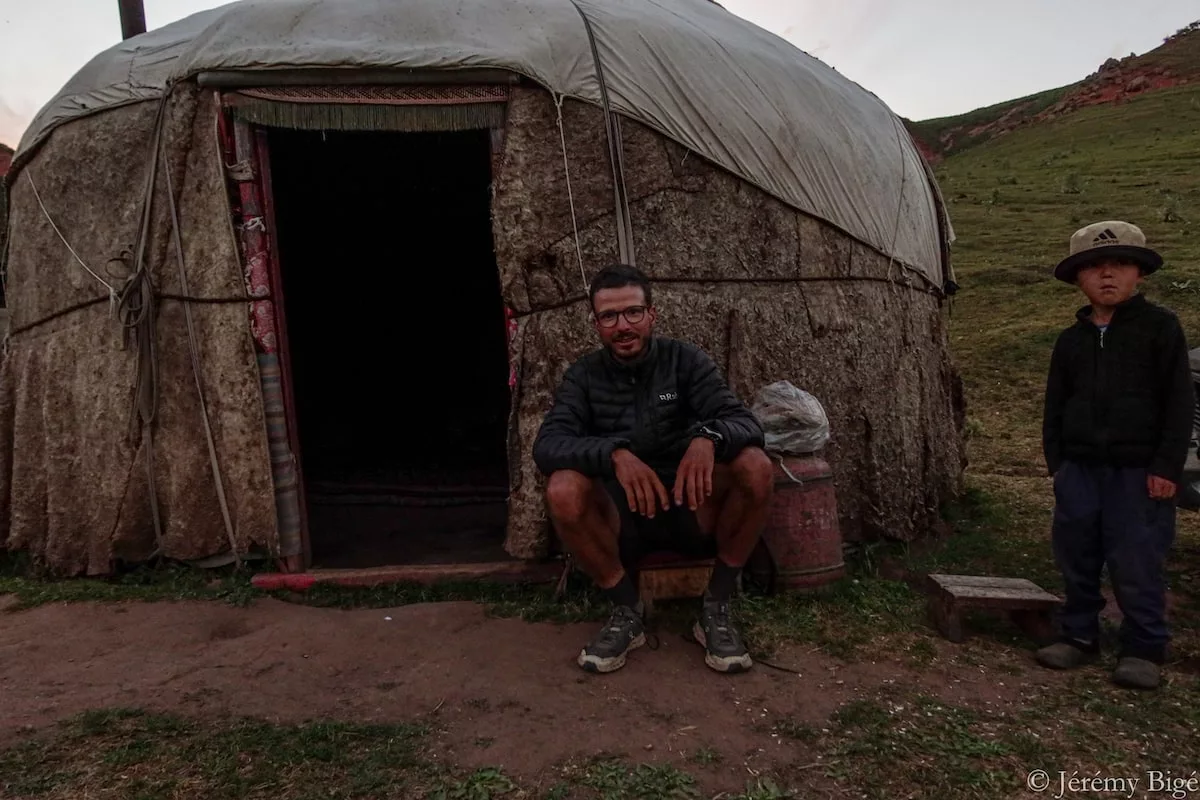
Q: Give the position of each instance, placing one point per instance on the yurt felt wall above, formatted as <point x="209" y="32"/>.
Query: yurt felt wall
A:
<point x="73" y="487"/>
<point x="799" y="301"/>
<point x="770" y="293"/>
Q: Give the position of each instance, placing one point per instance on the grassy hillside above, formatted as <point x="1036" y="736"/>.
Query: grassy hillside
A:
<point x="933" y="132"/>
<point x="1175" y="62"/>
<point x="1014" y="202"/>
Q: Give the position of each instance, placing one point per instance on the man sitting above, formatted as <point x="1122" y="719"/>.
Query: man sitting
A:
<point x="642" y="414"/>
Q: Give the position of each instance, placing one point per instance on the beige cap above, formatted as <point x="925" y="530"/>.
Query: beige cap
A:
<point x="1121" y="241"/>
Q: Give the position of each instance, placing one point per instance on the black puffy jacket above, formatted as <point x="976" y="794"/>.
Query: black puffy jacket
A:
<point x="653" y="406"/>
<point x="1122" y="397"/>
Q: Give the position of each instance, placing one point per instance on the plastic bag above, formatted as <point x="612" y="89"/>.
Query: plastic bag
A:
<point x="793" y="420"/>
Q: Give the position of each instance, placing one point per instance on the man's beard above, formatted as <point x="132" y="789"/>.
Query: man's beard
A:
<point x="627" y="339"/>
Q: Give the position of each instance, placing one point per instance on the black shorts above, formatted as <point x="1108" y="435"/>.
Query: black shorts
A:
<point x="676" y="530"/>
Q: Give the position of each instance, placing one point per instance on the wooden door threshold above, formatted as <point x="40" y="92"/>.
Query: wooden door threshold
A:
<point x="496" y="571"/>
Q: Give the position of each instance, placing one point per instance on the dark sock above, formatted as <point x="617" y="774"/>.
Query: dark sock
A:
<point x="624" y="593"/>
<point x="723" y="581"/>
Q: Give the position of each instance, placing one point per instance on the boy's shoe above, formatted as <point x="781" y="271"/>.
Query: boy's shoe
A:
<point x="1136" y="673"/>
<point x="1066" y="655"/>
<point x="623" y="632"/>
<point x="724" y="649"/>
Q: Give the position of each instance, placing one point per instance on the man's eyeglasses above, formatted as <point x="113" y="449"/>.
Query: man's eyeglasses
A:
<point x="633" y="315"/>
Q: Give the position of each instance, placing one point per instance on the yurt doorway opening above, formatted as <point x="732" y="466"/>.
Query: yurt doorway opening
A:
<point x="398" y="350"/>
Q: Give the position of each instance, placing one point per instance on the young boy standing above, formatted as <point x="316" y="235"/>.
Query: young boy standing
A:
<point x="1118" y="417"/>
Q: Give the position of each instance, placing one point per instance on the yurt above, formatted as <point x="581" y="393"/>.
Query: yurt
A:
<point x="296" y="281"/>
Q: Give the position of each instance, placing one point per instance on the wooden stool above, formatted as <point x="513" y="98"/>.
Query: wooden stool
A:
<point x="666" y="576"/>
<point x="1028" y="605"/>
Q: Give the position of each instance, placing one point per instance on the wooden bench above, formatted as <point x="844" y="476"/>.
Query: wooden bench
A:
<point x="660" y="576"/>
<point x="1028" y="605"/>
<point x="663" y="576"/>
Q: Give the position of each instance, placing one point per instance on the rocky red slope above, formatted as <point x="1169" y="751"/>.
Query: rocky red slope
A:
<point x="1175" y="63"/>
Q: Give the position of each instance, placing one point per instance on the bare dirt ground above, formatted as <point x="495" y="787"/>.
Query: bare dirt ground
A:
<point x="499" y="692"/>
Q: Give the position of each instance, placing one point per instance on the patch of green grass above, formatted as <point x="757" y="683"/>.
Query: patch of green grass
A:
<point x="983" y="540"/>
<point x="617" y="780"/>
<point x="705" y="757"/>
<point x="145" y="583"/>
<point x="884" y="746"/>
<point x="921" y="652"/>
<point x="888" y="743"/>
<point x="483" y="784"/>
<point x="126" y="753"/>
<point x="798" y="731"/>
<point x="844" y="619"/>
<point x="763" y="789"/>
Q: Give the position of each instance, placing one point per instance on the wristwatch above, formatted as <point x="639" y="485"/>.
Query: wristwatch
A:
<point x="712" y="435"/>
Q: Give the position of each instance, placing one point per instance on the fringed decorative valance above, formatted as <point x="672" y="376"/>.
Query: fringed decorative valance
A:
<point x="410" y="109"/>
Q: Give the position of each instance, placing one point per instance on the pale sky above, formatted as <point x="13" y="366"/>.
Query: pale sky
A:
<point x="924" y="58"/>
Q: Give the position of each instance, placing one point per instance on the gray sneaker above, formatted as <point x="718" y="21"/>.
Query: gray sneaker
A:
<point x="1136" y="673"/>
<point x="623" y="632"/>
<point x="1065" y="655"/>
<point x="724" y="649"/>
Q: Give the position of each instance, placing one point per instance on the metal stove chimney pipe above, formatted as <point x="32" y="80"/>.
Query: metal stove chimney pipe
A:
<point x="133" y="17"/>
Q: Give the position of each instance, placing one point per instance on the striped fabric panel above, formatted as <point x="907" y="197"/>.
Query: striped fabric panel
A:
<point x="283" y="464"/>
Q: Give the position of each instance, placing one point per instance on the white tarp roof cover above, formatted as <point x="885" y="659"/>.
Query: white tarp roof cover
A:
<point x="721" y="86"/>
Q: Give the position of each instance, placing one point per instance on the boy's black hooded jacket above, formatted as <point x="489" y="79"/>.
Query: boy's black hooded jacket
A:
<point x="1123" y="397"/>
<point x="654" y="406"/>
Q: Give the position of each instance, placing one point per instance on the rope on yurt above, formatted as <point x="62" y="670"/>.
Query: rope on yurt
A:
<point x="138" y="314"/>
<point x="136" y="305"/>
<point x="194" y="349"/>
<point x="558" y="102"/>
<point x="112" y="292"/>
<point x="613" y="130"/>
<point x="95" y="301"/>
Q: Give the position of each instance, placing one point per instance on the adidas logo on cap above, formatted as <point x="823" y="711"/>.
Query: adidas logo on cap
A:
<point x="1102" y="234"/>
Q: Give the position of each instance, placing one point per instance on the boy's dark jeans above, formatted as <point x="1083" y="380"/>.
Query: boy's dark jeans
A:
<point x="1104" y="514"/>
